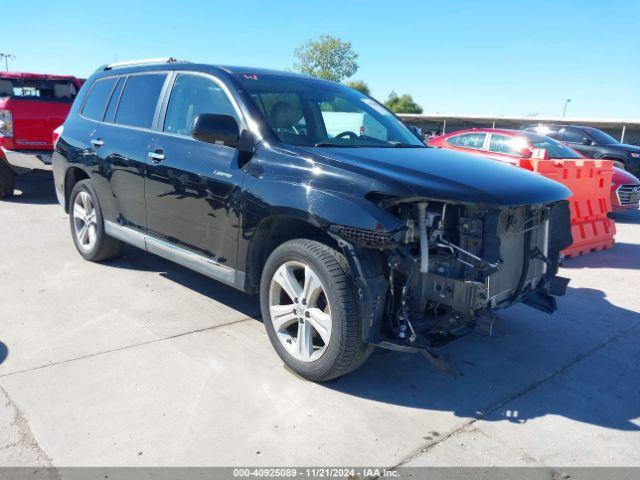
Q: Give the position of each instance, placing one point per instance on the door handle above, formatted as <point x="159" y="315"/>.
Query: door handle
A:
<point x="156" y="156"/>
<point x="97" y="142"/>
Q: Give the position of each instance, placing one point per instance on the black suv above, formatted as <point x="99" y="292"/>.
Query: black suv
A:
<point x="593" y="143"/>
<point x="353" y="232"/>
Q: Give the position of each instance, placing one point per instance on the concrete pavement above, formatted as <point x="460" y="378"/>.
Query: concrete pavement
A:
<point x="141" y="362"/>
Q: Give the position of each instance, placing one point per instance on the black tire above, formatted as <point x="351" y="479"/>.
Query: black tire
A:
<point x="620" y="164"/>
<point x="346" y="350"/>
<point x="105" y="247"/>
<point x="7" y="180"/>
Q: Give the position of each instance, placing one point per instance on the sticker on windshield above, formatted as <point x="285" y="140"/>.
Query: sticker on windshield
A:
<point x="376" y="106"/>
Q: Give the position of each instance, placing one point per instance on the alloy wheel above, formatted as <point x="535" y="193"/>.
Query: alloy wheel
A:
<point x="300" y="311"/>
<point x="84" y="221"/>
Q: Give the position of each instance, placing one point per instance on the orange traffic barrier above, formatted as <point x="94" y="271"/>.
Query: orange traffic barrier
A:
<point x="590" y="182"/>
<point x="591" y="235"/>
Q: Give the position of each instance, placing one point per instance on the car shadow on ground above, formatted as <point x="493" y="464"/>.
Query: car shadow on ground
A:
<point x="4" y="352"/>
<point x="529" y="350"/>
<point x="628" y="216"/>
<point x="134" y="258"/>
<point x="621" y="255"/>
<point x="34" y="188"/>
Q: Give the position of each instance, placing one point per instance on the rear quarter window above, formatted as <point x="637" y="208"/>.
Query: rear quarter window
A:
<point x="97" y="98"/>
<point x="138" y="101"/>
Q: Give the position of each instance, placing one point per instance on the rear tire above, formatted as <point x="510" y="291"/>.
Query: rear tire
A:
<point x="334" y="351"/>
<point x="7" y="180"/>
<point x="87" y="225"/>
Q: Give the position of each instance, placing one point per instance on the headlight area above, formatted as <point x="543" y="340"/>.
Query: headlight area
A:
<point x="452" y="266"/>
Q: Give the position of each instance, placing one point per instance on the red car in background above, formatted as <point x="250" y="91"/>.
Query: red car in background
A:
<point x="504" y="145"/>
<point x="31" y="107"/>
<point x="625" y="190"/>
<point x="513" y="145"/>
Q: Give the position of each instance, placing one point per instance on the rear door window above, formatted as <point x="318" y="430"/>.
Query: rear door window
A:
<point x="468" y="140"/>
<point x="139" y="99"/>
<point x="97" y="99"/>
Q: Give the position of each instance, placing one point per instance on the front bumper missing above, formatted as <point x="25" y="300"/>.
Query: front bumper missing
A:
<point x="24" y="161"/>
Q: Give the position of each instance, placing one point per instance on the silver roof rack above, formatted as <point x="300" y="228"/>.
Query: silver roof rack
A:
<point x="146" y="61"/>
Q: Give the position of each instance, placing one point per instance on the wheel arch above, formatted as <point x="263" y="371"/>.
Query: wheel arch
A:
<point x="72" y="176"/>
<point x="272" y="232"/>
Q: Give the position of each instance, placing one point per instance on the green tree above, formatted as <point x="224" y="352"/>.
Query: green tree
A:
<point x="403" y="104"/>
<point x="359" y="85"/>
<point x="328" y="57"/>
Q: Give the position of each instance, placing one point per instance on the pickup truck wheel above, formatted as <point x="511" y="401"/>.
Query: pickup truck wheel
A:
<point x="7" y="181"/>
<point x="87" y="225"/>
<point x="309" y="309"/>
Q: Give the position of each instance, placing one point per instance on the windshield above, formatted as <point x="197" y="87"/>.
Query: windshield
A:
<point x="554" y="149"/>
<point x="308" y="112"/>
<point x="38" y="89"/>
<point x="600" y="137"/>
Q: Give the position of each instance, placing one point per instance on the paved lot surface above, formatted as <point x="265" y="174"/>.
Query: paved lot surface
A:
<point x="141" y="362"/>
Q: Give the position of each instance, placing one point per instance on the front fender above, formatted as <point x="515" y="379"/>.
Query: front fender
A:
<point x="320" y="208"/>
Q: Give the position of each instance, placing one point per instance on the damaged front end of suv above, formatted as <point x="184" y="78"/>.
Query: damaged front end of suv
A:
<point x="436" y="241"/>
<point x="453" y="265"/>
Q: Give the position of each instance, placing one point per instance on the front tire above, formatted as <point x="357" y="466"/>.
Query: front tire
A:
<point x="309" y="309"/>
<point x="87" y="224"/>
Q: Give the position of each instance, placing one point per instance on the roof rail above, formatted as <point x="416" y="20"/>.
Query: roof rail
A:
<point x="145" y="61"/>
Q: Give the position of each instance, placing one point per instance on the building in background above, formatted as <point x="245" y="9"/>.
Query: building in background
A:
<point x="627" y="131"/>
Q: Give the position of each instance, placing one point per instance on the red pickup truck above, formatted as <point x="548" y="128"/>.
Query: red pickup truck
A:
<point x="31" y="107"/>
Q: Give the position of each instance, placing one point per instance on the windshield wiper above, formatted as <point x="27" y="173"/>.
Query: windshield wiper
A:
<point x="404" y="145"/>
<point x="376" y="145"/>
<point x="339" y="145"/>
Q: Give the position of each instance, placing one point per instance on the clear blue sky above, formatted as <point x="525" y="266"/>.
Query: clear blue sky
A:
<point x="477" y="57"/>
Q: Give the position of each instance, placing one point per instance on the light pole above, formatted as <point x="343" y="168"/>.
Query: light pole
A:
<point x="564" y="109"/>
<point x="7" y="57"/>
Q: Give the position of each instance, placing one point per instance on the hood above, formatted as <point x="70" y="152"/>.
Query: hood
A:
<point x="622" y="177"/>
<point x="448" y="175"/>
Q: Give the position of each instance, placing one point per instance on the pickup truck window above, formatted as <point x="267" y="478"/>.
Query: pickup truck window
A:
<point x="192" y="95"/>
<point x="96" y="101"/>
<point x="139" y="99"/>
<point x="38" y="89"/>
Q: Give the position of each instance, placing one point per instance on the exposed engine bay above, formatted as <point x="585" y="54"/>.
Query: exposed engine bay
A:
<point x="453" y="265"/>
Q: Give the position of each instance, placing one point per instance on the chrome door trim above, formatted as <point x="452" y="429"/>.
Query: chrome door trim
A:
<point x="181" y="256"/>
